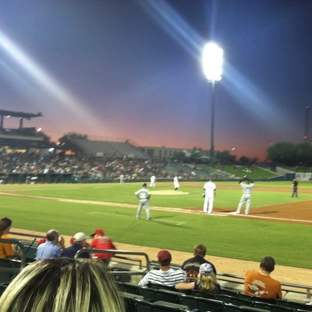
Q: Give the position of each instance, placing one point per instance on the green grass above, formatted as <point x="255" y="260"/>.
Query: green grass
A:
<point x="237" y="238"/>
<point x="240" y="171"/>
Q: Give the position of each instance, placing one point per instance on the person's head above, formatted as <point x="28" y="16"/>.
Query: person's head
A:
<point x="97" y="233"/>
<point x="5" y="225"/>
<point x="267" y="264"/>
<point x="144" y="185"/>
<point x="206" y="278"/>
<point x="53" y="236"/>
<point x="63" y="285"/>
<point x="164" y="258"/>
<point x="81" y="239"/>
<point x="200" y="250"/>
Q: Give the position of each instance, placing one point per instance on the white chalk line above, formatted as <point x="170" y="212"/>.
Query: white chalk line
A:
<point x="216" y="214"/>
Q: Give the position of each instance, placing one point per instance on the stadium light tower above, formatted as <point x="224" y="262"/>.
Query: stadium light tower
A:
<point x="212" y="66"/>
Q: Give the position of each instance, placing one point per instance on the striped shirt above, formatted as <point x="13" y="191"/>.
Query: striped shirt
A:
<point x="165" y="278"/>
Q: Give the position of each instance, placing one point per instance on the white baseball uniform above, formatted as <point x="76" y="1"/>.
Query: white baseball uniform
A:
<point x="153" y="181"/>
<point x="210" y="189"/>
<point x="176" y="184"/>
<point x="246" y="197"/>
<point x="143" y="194"/>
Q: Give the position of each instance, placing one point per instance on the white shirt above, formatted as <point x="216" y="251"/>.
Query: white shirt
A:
<point x="209" y="188"/>
<point x="143" y="193"/>
<point x="246" y="187"/>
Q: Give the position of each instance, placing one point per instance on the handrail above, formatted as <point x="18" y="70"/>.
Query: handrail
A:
<point x="240" y="277"/>
<point x="117" y="252"/>
<point x="27" y="235"/>
<point x="20" y="245"/>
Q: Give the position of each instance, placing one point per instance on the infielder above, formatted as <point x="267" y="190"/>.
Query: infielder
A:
<point x="153" y="181"/>
<point x="143" y="195"/>
<point x="209" y="194"/>
<point x="294" y="188"/>
<point x="176" y="184"/>
<point x="247" y="186"/>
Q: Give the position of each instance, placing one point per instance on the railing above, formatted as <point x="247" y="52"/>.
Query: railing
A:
<point x="11" y="265"/>
<point x="286" y="287"/>
<point x="117" y="253"/>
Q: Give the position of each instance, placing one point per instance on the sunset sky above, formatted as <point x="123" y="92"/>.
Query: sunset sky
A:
<point x="127" y="69"/>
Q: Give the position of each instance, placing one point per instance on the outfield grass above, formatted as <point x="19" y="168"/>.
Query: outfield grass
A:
<point x="237" y="238"/>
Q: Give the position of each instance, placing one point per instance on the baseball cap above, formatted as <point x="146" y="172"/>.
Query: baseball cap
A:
<point x="144" y="184"/>
<point x="41" y="241"/>
<point x="80" y="236"/>
<point x="164" y="255"/>
<point x="98" y="232"/>
<point x="205" y="269"/>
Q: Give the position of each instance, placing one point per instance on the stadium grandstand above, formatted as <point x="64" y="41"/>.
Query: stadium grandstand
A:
<point x="21" y="137"/>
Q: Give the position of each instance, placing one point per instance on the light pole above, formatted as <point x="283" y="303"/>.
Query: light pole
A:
<point x="212" y="66"/>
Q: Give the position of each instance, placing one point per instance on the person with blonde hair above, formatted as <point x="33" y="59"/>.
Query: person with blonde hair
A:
<point x="207" y="281"/>
<point x="63" y="285"/>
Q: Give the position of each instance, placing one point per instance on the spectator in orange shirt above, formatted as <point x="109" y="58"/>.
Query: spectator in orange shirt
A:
<point x="6" y="250"/>
<point x="260" y="283"/>
<point x="102" y="242"/>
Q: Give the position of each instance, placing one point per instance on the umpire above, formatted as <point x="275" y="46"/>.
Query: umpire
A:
<point x="143" y="195"/>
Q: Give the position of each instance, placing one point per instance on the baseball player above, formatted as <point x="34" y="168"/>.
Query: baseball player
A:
<point x="246" y="186"/>
<point x="176" y="184"/>
<point x="143" y="195"/>
<point x="294" y="188"/>
<point x="209" y="194"/>
<point x="153" y="181"/>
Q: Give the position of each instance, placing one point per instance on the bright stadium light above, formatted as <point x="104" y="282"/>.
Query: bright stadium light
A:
<point x="212" y="62"/>
<point x="212" y="66"/>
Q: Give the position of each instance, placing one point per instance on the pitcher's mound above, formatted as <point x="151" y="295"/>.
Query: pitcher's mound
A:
<point x="168" y="192"/>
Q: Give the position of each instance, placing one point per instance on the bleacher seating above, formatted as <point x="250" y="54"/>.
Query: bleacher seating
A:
<point x="144" y="299"/>
<point x="109" y="149"/>
<point x="146" y="306"/>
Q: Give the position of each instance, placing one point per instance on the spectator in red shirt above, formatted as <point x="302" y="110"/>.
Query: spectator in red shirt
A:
<point x="102" y="242"/>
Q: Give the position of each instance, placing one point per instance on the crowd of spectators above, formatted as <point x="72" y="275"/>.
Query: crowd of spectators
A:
<point x="62" y="275"/>
<point x="90" y="168"/>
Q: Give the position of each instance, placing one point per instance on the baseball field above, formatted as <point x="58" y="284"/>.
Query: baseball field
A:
<point x="278" y="225"/>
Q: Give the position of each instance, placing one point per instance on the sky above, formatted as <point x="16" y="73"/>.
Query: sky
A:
<point x="132" y="69"/>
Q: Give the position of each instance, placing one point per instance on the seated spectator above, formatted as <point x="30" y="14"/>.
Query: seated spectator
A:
<point x="53" y="246"/>
<point x="207" y="281"/>
<point x="102" y="242"/>
<point x="260" y="283"/>
<point x="6" y="250"/>
<point x="165" y="276"/>
<point x="63" y="285"/>
<point x="191" y="266"/>
<point x="80" y="242"/>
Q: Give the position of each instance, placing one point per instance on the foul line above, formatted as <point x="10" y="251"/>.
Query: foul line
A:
<point x="171" y="209"/>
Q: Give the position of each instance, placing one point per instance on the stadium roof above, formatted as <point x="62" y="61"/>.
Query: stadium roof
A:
<point x="19" y="114"/>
